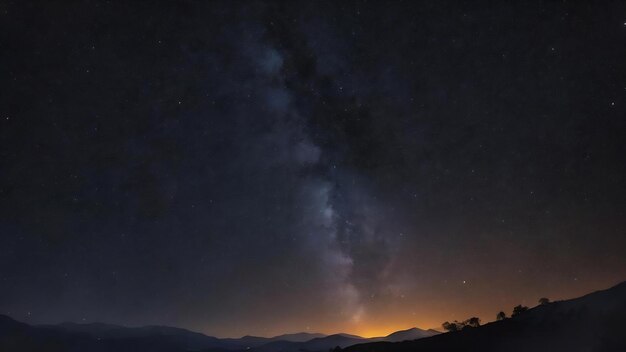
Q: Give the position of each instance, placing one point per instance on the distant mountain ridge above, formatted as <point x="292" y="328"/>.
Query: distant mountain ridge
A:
<point x="298" y="337"/>
<point x="325" y="343"/>
<point x="410" y="334"/>
<point x="189" y="339"/>
<point x="593" y="322"/>
<point x="69" y="337"/>
<point x="249" y="341"/>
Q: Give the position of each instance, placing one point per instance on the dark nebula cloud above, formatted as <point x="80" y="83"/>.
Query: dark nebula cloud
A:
<point x="258" y="168"/>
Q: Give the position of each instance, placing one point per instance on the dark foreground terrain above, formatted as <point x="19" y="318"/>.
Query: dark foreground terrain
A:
<point x="594" y="322"/>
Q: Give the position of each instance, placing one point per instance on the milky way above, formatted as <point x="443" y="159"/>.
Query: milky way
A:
<point x="264" y="167"/>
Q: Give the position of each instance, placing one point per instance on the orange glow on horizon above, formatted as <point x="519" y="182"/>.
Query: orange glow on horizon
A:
<point x="380" y="332"/>
<point x="383" y="329"/>
<point x="422" y="313"/>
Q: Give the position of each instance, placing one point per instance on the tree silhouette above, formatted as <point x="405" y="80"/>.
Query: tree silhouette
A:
<point x="501" y="316"/>
<point x="454" y="326"/>
<point x="544" y="301"/>
<point x="519" y="309"/>
<point x="472" y="322"/>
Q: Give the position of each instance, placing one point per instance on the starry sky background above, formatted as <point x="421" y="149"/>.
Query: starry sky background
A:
<point x="258" y="168"/>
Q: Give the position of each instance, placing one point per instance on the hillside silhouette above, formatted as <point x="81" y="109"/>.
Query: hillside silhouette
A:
<point x="590" y="323"/>
<point x="594" y="322"/>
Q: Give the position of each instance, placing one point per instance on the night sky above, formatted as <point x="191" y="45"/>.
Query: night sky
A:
<point x="259" y="168"/>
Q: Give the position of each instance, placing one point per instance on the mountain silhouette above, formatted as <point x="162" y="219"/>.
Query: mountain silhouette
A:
<point x="176" y="336"/>
<point x="298" y="337"/>
<point x="256" y="341"/>
<point x="341" y="340"/>
<point x="17" y="336"/>
<point x="316" y="344"/>
<point x="590" y="323"/>
<point x="328" y="342"/>
<point x="409" y="334"/>
<point x="20" y="337"/>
